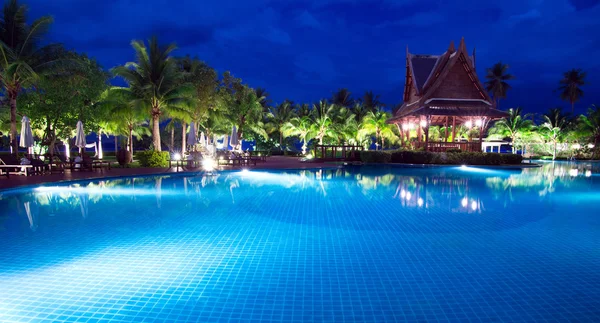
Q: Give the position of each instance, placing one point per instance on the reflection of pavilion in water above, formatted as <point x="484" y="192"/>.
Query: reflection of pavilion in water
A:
<point x="438" y="191"/>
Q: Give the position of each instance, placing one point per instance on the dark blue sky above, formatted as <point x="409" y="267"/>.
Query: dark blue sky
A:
<point x="305" y="50"/>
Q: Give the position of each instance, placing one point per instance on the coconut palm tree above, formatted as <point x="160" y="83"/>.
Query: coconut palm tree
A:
<point x="375" y="123"/>
<point x="570" y="86"/>
<point x="496" y="83"/>
<point x="155" y="82"/>
<point x="129" y="117"/>
<point x="554" y="127"/>
<point x="22" y="58"/>
<point x="277" y="117"/>
<point x="342" y="98"/>
<point x="360" y="110"/>
<point x="322" y="122"/>
<point x="264" y="95"/>
<point x="301" y="127"/>
<point x="371" y="101"/>
<point x="589" y="125"/>
<point x="514" y="126"/>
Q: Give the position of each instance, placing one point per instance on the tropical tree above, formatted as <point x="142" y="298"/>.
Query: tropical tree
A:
<point x="129" y="117"/>
<point x="570" y="86"/>
<point x="496" y="83"/>
<point x="371" y="101"/>
<point x="514" y="126"/>
<point x="59" y="100"/>
<point x="265" y="102"/>
<point x="360" y="110"/>
<point x="22" y="59"/>
<point x="301" y="127"/>
<point x="554" y="127"/>
<point x="155" y="82"/>
<point x="244" y="109"/>
<point x="375" y="123"/>
<point x="589" y="125"/>
<point x="322" y="122"/>
<point x="342" y="98"/>
<point x="277" y="117"/>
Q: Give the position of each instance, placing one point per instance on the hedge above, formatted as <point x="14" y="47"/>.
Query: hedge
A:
<point x="369" y="156"/>
<point x="445" y="158"/>
<point x="152" y="158"/>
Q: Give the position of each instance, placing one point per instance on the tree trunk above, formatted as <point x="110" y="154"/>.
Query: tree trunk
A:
<point x="280" y="139"/>
<point x="14" y="144"/>
<point x="172" y="148"/>
<point x="156" y="131"/>
<point x="116" y="144"/>
<point x="183" y="131"/>
<point x="130" y="142"/>
<point x="100" y="153"/>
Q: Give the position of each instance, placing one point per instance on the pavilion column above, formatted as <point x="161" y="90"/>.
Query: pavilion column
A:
<point x="428" y="120"/>
<point x="453" y="129"/>
<point x="419" y="131"/>
<point x="401" y="134"/>
<point x="481" y="134"/>
<point x="446" y="132"/>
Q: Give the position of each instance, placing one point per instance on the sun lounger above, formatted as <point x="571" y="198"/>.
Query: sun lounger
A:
<point x="11" y="165"/>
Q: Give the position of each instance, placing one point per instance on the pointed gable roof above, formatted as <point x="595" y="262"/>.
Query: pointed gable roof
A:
<point x="446" y="81"/>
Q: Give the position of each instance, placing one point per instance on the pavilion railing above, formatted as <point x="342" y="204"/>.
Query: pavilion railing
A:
<point x="444" y="146"/>
<point x="338" y="152"/>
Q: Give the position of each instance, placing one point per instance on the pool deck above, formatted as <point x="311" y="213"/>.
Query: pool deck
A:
<point x="274" y="162"/>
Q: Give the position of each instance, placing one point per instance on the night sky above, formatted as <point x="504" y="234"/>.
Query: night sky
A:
<point x="306" y="50"/>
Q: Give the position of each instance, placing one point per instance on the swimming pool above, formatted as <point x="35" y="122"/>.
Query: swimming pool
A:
<point x="348" y="244"/>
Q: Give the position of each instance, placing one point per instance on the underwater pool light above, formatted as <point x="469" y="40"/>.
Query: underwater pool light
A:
<point x="464" y="202"/>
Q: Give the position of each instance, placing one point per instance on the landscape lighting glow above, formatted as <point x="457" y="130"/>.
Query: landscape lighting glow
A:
<point x="474" y="205"/>
<point x="405" y="126"/>
<point x="420" y="202"/>
<point x="479" y="122"/>
<point x="177" y="156"/>
<point x="573" y="172"/>
<point x="576" y="146"/>
<point x="588" y="173"/>
<point x="469" y="124"/>
<point x="464" y="202"/>
<point x="208" y="164"/>
<point x="423" y="123"/>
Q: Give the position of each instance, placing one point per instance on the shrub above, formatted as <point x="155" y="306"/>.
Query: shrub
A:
<point x="153" y="158"/>
<point x="511" y="159"/>
<point x="375" y="156"/>
<point x="453" y="150"/>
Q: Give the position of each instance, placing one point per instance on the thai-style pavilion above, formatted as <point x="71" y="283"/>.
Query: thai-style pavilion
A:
<point x="444" y="90"/>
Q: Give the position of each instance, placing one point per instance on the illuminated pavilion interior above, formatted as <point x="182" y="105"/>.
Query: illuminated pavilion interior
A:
<point x="443" y="90"/>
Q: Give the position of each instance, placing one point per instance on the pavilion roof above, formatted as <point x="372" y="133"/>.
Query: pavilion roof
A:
<point x="444" y="84"/>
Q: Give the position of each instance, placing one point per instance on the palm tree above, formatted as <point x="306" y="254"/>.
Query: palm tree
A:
<point x="342" y="98"/>
<point x="301" y="127"/>
<point x="322" y="123"/>
<point x="371" y="101"/>
<point x="155" y="83"/>
<point x="360" y="110"/>
<point x="555" y="126"/>
<point x="590" y="126"/>
<point x="303" y="110"/>
<point x="514" y="126"/>
<point x="496" y="83"/>
<point x="22" y="59"/>
<point x="375" y="123"/>
<point x="264" y="95"/>
<point x="278" y="117"/>
<point x="570" y="86"/>
<point x="130" y="117"/>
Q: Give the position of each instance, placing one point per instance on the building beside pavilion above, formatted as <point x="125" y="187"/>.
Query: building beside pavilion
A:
<point x="443" y="90"/>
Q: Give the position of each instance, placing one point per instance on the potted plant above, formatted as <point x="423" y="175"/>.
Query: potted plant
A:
<point x="123" y="157"/>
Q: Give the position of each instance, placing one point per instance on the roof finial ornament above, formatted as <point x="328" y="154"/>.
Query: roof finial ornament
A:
<point x="451" y="47"/>
<point x="462" y="45"/>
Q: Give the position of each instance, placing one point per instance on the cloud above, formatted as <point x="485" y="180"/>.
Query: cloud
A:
<point x="308" y="20"/>
<point x="529" y="15"/>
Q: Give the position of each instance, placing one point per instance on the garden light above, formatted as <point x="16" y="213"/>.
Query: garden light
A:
<point x="479" y="122"/>
<point x="423" y="123"/>
<point x="469" y="124"/>
<point x="177" y="156"/>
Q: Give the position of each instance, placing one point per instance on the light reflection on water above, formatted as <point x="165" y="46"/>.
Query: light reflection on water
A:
<point x="455" y="190"/>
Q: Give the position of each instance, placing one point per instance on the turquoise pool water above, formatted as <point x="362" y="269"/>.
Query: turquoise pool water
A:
<point x="346" y="245"/>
